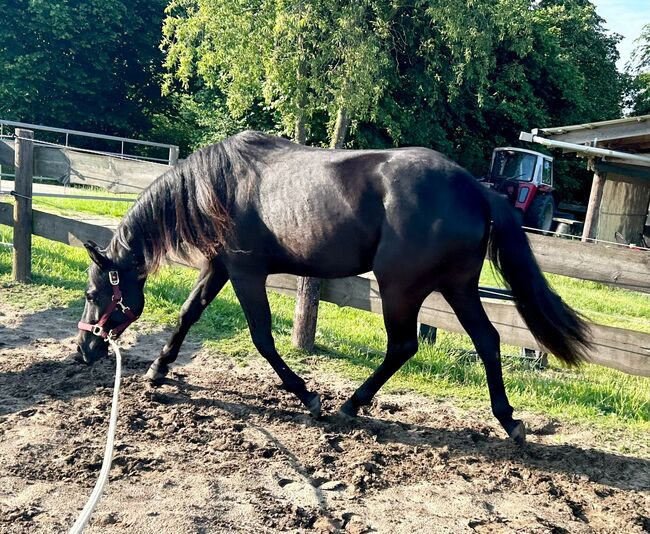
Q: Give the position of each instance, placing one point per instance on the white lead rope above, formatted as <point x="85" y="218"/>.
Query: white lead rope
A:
<point x="84" y="517"/>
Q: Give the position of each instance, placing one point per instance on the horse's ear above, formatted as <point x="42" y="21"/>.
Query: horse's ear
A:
<point x="97" y="256"/>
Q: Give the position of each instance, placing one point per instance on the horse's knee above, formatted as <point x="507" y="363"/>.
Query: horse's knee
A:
<point x="402" y="351"/>
<point x="487" y="346"/>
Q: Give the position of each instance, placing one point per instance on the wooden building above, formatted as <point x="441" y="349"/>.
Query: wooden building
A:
<point x="619" y="154"/>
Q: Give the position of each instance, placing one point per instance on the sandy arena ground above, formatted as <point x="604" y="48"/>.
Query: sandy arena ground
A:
<point x="222" y="448"/>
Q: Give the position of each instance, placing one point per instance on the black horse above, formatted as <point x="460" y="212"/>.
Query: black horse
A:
<point x="254" y="205"/>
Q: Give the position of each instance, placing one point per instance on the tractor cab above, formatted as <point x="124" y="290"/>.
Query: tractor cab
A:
<point x="526" y="178"/>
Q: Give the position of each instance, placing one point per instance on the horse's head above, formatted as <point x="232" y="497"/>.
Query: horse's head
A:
<point x="114" y="299"/>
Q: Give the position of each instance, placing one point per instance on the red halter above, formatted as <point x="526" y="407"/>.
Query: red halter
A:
<point x="116" y="302"/>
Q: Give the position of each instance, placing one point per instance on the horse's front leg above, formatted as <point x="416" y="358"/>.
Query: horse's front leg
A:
<point x="251" y="292"/>
<point x="211" y="280"/>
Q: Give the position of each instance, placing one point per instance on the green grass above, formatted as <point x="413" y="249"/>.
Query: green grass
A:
<point x="351" y="342"/>
<point x="597" y="302"/>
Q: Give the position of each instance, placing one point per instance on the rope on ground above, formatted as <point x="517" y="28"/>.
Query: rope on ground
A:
<point x="87" y="511"/>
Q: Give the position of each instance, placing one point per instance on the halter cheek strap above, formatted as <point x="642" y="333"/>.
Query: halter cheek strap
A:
<point x="116" y="302"/>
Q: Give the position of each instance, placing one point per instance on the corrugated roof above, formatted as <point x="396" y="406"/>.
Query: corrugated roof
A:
<point x="592" y="125"/>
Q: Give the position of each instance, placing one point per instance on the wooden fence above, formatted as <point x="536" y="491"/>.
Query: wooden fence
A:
<point x="623" y="349"/>
<point x="113" y="172"/>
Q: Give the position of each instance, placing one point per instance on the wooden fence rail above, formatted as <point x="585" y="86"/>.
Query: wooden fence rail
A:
<point x="617" y="348"/>
<point x="608" y="264"/>
<point x="612" y="265"/>
<point x="66" y="165"/>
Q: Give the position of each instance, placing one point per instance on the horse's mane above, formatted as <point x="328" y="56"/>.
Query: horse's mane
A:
<point x="186" y="210"/>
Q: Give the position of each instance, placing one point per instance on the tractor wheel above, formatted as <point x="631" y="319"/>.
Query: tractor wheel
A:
<point x="540" y="213"/>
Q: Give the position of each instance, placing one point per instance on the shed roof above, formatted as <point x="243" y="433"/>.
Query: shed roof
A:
<point x="631" y="134"/>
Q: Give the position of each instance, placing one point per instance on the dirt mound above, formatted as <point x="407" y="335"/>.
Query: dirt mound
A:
<point x="219" y="447"/>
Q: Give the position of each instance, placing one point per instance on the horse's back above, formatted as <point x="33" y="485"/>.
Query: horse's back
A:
<point x="328" y="213"/>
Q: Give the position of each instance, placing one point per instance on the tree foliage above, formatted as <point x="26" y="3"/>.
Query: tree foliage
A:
<point x="461" y="77"/>
<point x="299" y="57"/>
<point x="86" y="64"/>
<point x="640" y="72"/>
<point x="458" y="76"/>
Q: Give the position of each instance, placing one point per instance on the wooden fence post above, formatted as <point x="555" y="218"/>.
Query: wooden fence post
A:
<point x="173" y="155"/>
<point x="24" y="167"/>
<point x="590" y="229"/>
<point x="308" y="292"/>
<point x="305" y="317"/>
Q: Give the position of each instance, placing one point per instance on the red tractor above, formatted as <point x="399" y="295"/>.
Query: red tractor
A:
<point x="526" y="178"/>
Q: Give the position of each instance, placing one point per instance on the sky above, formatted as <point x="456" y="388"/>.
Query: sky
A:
<point x="626" y="17"/>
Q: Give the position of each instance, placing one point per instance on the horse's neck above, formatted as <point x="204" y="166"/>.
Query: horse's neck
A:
<point x="127" y="248"/>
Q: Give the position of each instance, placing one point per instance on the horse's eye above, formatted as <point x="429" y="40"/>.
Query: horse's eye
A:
<point x="90" y="297"/>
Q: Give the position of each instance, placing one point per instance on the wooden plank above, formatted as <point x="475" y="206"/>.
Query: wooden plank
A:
<point x="593" y="207"/>
<point x="69" y="231"/>
<point x="621" y="171"/>
<point x="609" y="264"/>
<point x="618" y="134"/>
<point x="111" y="173"/>
<point x="60" y="229"/>
<point x="7" y="156"/>
<point x="616" y="348"/>
<point x="107" y="172"/>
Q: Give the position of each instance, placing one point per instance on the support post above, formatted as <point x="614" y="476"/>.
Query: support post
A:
<point x="593" y="208"/>
<point x="24" y="167"/>
<point x="305" y="315"/>
<point x="173" y="155"/>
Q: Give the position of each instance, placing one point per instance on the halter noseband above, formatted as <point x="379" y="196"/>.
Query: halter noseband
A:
<point x="116" y="302"/>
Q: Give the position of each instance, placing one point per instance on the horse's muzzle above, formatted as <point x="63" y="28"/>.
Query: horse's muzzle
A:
<point x="89" y="353"/>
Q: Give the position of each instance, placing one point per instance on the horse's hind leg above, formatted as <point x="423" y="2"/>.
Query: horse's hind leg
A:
<point x="400" y="308"/>
<point x="212" y="278"/>
<point x="468" y="308"/>
<point x="251" y="292"/>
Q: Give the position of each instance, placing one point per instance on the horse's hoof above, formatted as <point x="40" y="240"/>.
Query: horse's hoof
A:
<point x="313" y="405"/>
<point x="154" y="375"/>
<point x="348" y="410"/>
<point x="518" y="433"/>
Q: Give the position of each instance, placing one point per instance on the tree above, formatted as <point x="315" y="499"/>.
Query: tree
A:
<point x="471" y="77"/>
<point x="458" y="77"/>
<point x="83" y="64"/>
<point x="639" y="70"/>
<point x="300" y="58"/>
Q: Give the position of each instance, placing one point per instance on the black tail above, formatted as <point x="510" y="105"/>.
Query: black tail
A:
<point x="554" y="324"/>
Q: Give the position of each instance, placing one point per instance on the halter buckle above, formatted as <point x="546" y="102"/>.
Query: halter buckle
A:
<point x="114" y="278"/>
<point x="97" y="330"/>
